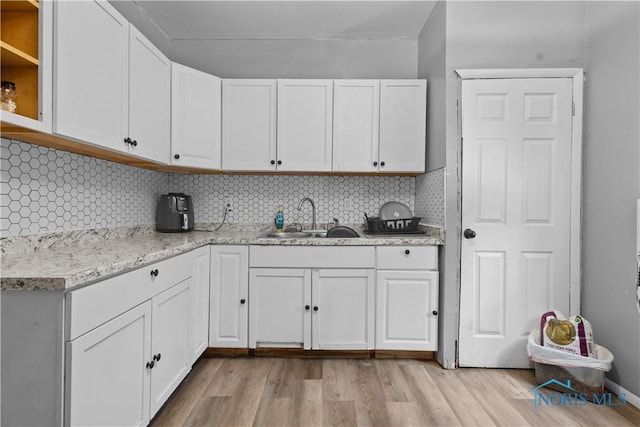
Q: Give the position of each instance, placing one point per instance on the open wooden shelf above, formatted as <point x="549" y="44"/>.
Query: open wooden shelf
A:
<point x="13" y="57"/>
<point x="19" y="6"/>
<point x="19" y="53"/>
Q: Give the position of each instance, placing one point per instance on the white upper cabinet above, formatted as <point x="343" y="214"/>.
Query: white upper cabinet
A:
<point x="249" y="125"/>
<point x="91" y="73"/>
<point x="403" y="117"/>
<point x="305" y="123"/>
<point x="356" y="116"/>
<point x="149" y="99"/>
<point x="195" y="118"/>
<point x="111" y="85"/>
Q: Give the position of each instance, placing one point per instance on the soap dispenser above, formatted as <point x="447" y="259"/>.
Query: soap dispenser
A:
<point x="279" y="219"/>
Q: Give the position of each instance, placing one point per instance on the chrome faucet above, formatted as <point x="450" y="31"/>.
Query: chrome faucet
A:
<point x="313" y="210"/>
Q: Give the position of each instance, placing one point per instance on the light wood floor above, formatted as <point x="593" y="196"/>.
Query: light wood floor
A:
<point x="367" y="392"/>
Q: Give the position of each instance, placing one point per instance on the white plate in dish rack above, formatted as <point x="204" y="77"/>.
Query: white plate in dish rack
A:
<point x="395" y="210"/>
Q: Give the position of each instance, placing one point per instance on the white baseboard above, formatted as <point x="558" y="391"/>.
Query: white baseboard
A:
<point x="630" y="397"/>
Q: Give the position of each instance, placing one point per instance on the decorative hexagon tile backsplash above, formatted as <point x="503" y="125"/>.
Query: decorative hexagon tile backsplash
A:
<point x="253" y="198"/>
<point x="46" y="190"/>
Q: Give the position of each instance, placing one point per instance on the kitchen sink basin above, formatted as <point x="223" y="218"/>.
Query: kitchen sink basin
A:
<point x="306" y="234"/>
<point x="287" y="235"/>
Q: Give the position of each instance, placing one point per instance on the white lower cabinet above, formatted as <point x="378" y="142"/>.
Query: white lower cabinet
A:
<point x="229" y="297"/>
<point x="407" y="298"/>
<point x="343" y="309"/>
<point x="132" y="339"/>
<point x="319" y="309"/>
<point x="280" y="307"/>
<point x="170" y="360"/>
<point x="107" y="380"/>
<point x="199" y="331"/>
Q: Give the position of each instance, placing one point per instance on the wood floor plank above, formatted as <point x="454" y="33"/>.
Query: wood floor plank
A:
<point x="273" y="412"/>
<point x="368" y="392"/>
<point x="491" y="399"/>
<point x="403" y="414"/>
<point x="466" y="407"/>
<point x="339" y="379"/>
<point x="339" y="413"/>
<point x="392" y="382"/>
<point x="307" y="403"/>
<point x="186" y="397"/>
<point x="426" y="394"/>
<point x="369" y="399"/>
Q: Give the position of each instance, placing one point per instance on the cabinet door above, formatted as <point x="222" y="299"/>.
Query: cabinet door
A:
<point x="229" y="299"/>
<point x="280" y="309"/>
<point x="91" y="44"/>
<point x="406" y="302"/>
<point x="170" y="342"/>
<point x="356" y="115"/>
<point x="403" y="118"/>
<point x="199" y="330"/>
<point x="107" y="382"/>
<point x="249" y="125"/>
<point x="343" y="309"/>
<point x="305" y="122"/>
<point x="149" y="100"/>
<point x="195" y="118"/>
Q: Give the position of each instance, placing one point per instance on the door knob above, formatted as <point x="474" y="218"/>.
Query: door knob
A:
<point x="242" y="301"/>
<point x="469" y="233"/>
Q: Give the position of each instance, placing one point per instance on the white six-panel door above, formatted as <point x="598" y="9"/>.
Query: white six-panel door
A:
<point x="516" y="200"/>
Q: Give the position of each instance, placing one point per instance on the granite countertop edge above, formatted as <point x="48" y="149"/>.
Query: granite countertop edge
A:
<point x="78" y="262"/>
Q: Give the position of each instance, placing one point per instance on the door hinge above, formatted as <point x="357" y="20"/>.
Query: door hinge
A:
<point x="573" y="108"/>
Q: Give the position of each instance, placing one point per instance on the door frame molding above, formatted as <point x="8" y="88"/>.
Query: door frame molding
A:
<point x="577" y="76"/>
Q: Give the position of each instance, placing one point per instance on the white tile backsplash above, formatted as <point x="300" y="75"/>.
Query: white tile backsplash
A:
<point x="254" y="197"/>
<point x="430" y="197"/>
<point x="45" y="190"/>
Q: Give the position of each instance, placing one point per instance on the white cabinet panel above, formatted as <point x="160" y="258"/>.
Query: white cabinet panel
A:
<point x="356" y="117"/>
<point x="280" y="309"/>
<point x="249" y="125"/>
<point x="305" y="122"/>
<point x="149" y="99"/>
<point x="195" y="118"/>
<point x="107" y="380"/>
<point x="170" y="342"/>
<point x="229" y="299"/>
<point x="91" y="73"/>
<point x="111" y="85"/>
<point x="406" y="313"/>
<point x="402" y="125"/>
<point x="343" y="309"/>
<point x="199" y="309"/>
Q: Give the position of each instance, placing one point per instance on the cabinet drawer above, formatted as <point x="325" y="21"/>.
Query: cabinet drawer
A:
<point x="407" y="257"/>
<point x="95" y="304"/>
<point x="312" y="256"/>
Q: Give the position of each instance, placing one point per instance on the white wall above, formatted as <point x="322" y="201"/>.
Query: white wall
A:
<point x="492" y="34"/>
<point x="611" y="184"/>
<point x="432" y="66"/>
<point x="390" y="59"/>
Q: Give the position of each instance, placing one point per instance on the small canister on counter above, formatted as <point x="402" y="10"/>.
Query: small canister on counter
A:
<point x="8" y="96"/>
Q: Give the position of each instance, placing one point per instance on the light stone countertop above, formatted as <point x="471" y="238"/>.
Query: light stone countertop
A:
<point x="62" y="261"/>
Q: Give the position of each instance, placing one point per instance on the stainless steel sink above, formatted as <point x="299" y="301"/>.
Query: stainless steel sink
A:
<point x="304" y="234"/>
<point x="287" y="235"/>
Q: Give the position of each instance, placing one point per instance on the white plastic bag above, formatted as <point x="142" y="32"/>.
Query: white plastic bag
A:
<point x="602" y="360"/>
<point x="573" y="334"/>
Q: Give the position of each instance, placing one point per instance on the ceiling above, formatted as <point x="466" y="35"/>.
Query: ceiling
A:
<point x="287" y="20"/>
